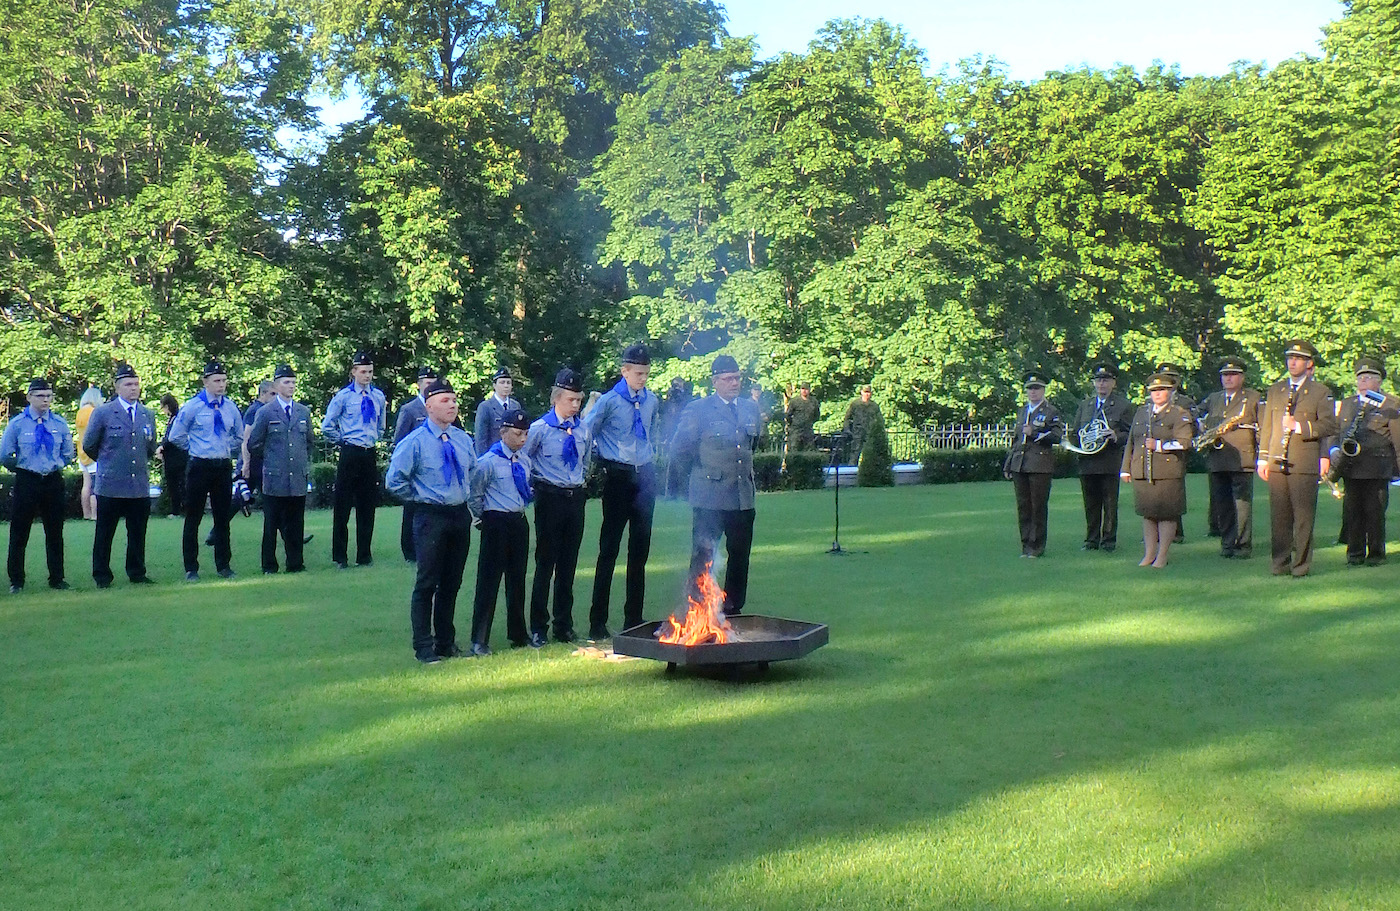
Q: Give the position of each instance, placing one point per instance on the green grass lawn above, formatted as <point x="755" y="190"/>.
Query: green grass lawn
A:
<point x="982" y="732"/>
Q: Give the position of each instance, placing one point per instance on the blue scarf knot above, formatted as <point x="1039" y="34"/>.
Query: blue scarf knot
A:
<point x="517" y="473"/>
<point x="570" y="445"/>
<point x="368" y="411"/>
<point x="43" y="437"/>
<point x="218" y="412"/>
<point x="451" y="465"/>
<point x="639" y="429"/>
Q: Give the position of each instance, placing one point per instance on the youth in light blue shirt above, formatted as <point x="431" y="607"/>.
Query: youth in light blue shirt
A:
<point x="493" y="483"/>
<point x="346" y="415"/>
<point x="545" y="448"/>
<point x="19" y="447"/>
<point x="209" y="425"/>
<point x="613" y="427"/>
<point x="420" y="471"/>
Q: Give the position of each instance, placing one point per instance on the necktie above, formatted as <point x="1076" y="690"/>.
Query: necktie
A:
<point x="288" y="409"/>
<point x="451" y="467"/>
<point x="131" y="413"/>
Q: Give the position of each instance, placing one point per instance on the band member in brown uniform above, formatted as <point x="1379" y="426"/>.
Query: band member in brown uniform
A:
<point x="1230" y="442"/>
<point x="1363" y="452"/>
<point x="1175" y="372"/>
<point x="1155" y="463"/>
<point x="1031" y="462"/>
<point x="1103" y="419"/>
<point x="1298" y="414"/>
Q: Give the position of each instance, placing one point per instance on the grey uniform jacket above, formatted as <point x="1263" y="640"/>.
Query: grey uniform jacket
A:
<point x="489" y="415"/>
<point x="123" y="450"/>
<point x="411" y="416"/>
<point x="714" y="445"/>
<point x="286" y="450"/>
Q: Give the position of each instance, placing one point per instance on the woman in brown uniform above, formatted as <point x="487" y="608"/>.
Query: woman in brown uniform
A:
<point x="1155" y="461"/>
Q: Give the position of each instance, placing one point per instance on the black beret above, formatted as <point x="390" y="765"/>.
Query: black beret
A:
<point x="724" y="364"/>
<point x="502" y="373"/>
<point x="124" y="372"/>
<point x="361" y="359"/>
<point x="1300" y="348"/>
<point x="437" y="387"/>
<point x="214" y="368"/>
<point x="283" y="370"/>
<point x="637" y="354"/>
<point x="427" y="373"/>
<point x="39" y="384"/>
<point x="568" y="379"/>
<point x="516" y="419"/>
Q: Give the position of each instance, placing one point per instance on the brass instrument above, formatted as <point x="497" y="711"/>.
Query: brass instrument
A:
<point x="1332" y="487"/>
<point x="1215" y="436"/>
<point x="1093" y="437"/>
<point x="1347" y="443"/>
<point x="1281" y="460"/>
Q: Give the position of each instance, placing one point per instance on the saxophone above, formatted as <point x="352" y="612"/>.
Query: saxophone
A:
<point x="1347" y="443"/>
<point x="1215" y="436"/>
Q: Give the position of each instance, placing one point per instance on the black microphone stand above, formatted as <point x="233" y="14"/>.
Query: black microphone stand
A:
<point x="838" y="441"/>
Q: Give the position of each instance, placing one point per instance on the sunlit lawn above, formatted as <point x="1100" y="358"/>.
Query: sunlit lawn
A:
<point x="982" y="732"/>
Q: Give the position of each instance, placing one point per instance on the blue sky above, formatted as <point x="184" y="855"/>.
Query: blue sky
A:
<point x="1031" y="36"/>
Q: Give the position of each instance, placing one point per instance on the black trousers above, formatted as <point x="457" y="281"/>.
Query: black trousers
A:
<point x="442" y="540"/>
<point x="285" y="516"/>
<point x="629" y="501"/>
<point x="559" y="513"/>
<point x="406" y="545"/>
<point x="1032" y="509"/>
<point x="737" y="527"/>
<point x="1292" y="513"/>
<point x="1364" y="501"/>
<point x="357" y="486"/>
<point x="211" y="478"/>
<point x="1232" y="500"/>
<point x="176" y="462"/>
<point x="136" y="511"/>
<point x="505" y="548"/>
<point x="36" y="496"/>
<point x="1100" y="509"/>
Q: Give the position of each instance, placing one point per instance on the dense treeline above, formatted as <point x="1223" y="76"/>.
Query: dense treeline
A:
<point x="538" y="181"/>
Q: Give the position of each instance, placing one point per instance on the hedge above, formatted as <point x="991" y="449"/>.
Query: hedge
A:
<point x="951" y="466"/>
<point x="805" y="471"/>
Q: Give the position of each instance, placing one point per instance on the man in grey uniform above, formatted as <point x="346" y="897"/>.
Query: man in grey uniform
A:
<point x="282" y="439"/>
<point x="121" y="436"/>
<point x="491" y="412"/>
<point x="714" y="444"/>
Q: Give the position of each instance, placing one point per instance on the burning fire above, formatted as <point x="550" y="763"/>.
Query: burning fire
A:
<point x="704" y="619"/>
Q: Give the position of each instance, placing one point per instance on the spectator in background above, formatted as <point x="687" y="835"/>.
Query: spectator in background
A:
<point x="252" y="464"/>
<point x="801" y="414"/>
<point x="677" y="397"/>
<point x="765" y="414"/>
<point x="92" y="398"/>
<point x="861" y="417"/>
<point x="174" y="460"/>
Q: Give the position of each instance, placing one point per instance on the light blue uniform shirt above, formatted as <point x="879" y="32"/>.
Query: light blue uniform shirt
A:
<point x="545" y="447"/>
<point x="344" y="424"/>
<point x="610" y="426"/>
<point x="493" y="484"/>
<point x="193" y="430"/>
<point x="416" y="470"/>
<point x="17" y="444"/>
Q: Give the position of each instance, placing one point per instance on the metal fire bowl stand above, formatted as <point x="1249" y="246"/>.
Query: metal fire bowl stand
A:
<point x="760" y="640"/>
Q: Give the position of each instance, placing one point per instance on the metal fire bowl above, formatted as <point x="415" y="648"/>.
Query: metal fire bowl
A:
<point x="759" y="640"/>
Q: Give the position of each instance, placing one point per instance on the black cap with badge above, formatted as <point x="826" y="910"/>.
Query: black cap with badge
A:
<point x="124" y="372"/>
<point x="724" y="364"/>
<point x="39" y="384"/>
<point x="637" y="354"/>
<point x="362" y="359"/>
<point x="214" y="368"/>
<point x="502" y="373"/>
<point x="427" y="373"/>
<point x="517" y="419"/>
<point x="568" y="379"/>
<point x="438" y="387"/>
<point x="283" y="370"/>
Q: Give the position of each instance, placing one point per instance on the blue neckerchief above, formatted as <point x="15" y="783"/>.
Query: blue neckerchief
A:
<point x="43" y="436"/>
<point x="218" y="412"/>
<point x="517" y="472"/>
<point x="451" y="467"/>
<point x="551" y="417"/>
<point x="368" y="412"/>
<point x="639" y="429"/>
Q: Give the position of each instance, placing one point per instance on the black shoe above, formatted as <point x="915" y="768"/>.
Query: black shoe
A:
<point x="598" y="634"/>
<point x="519" y="643"/>
<point x="269" y="572"/>
<point x="452" y="651"/>
<point x="341" y="564"/>
<point x="191" y="577"/>
<point x="143" y="580"/>
<point x="104" y="583"/>
<point x="480" y="651"/>
<point x="209" y="541"/>
<point x="537" y="640"/>
<point x="1375" y="561"/>
<point x="566" y="636"/>
<point x="366" y="564"/>
<point x="60" y="586"/>
<point x="307" y="539"/>
<point x="427" y="656"/>
<point x="1108" y="548"/>
<point x="227" y="573"/>
<point x="1088" y="545"/>
<point x="16" y="589"/>
<point x="1355" y="561"/>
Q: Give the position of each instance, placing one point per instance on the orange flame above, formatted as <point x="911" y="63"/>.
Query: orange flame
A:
<point x="704" y="618"/>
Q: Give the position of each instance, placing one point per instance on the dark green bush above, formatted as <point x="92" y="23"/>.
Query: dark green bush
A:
<point x="72" y="489"/>
<point x="322" y="485"/>
<point x="804" y="471"/>
<point x="876" y="467"/>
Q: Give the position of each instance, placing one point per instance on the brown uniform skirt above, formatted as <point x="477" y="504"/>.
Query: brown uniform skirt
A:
<point x="1160" y="501"/>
